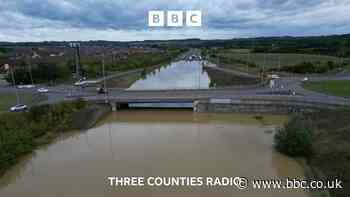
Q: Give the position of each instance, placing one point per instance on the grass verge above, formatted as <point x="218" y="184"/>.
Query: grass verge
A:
<point x="336" y="88"/>
<point x="8" y="99"/>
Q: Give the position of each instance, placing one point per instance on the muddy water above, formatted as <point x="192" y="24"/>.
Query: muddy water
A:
<point x="177" y="75"/>
<point x="155" y="143"/>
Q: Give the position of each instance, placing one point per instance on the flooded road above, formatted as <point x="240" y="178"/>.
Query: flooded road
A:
<point x="180" y="75"/>
<point x="155" y="143"/>
<point x="177" y="75"/>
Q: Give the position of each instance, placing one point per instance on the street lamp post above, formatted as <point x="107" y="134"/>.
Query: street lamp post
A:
<point x="76" y="47"/>
<point x="30" y="71"/>
<point x="14" y="85"/>
<point x="104" y="78"/>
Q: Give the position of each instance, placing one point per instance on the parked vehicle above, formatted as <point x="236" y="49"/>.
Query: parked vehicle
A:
<point x="18" y="108"/>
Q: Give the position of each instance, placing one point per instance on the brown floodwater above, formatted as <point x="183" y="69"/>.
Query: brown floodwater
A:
<point x="155" y="143"/>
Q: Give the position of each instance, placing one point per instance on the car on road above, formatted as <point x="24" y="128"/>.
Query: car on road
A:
<point x="84" y="82"/>
<point x="25" y="86"/>
<point x="43" y="90"/>
<point x="80" y="83"/>
<point x="18" y="108"/>
<point x="274" y="76"/>
<point x="305" y="79"/>
<point x="101" y="90"/>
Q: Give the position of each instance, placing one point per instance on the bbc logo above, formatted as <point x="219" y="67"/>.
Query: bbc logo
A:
<point x="158" y="18"/>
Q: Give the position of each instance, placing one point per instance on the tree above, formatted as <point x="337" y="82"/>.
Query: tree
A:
<point x="42" y="73"/>
<point x="295" y="138"/>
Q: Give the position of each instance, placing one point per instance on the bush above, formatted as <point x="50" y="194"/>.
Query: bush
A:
<point x="58" y="117"/>
<point x="15" y="139"/>
<point x="295" y="138"/>
<point x="310" y="67"/>
<point x="19" y="131"/>
<point x="41" y="73"/>
<point x="132" y="61"/>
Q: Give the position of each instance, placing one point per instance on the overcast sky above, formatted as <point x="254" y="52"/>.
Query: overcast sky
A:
<point x="124" y="20"/>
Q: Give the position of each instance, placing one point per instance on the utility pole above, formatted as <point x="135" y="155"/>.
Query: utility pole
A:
<point x="78" y="59"/>
<point x="30" y="71"/>
<point x="14" y="85"/>
<point x="104" y="78"/>
<point x="246" y="61"/>
<point x="76" y="47"/>
<point x="199" y="78"/>
<point x="264" y="64"/>
<point x="252" y="49"/>
<point x="279" y="63"/>
<point x="248" y="56"/>
<point x="319" y="59"/>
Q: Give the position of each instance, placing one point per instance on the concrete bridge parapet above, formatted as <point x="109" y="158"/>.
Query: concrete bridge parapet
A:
<point x="261" y="105"/>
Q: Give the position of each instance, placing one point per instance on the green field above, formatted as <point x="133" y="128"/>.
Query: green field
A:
<point x="274" y="60"/>
<point x="9" y="99"/>
<point x="337" y="88"/>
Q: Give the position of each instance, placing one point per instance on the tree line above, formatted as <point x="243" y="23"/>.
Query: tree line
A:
<point x="52" y="72"/>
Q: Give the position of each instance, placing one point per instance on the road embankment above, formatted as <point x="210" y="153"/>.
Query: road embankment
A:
<point x="88" y="117"/>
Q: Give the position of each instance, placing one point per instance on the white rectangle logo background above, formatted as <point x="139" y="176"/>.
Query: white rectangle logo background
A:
<point x="156" y="18"/>
<point x="194" y="18"/>
<point x="174" y="18"/>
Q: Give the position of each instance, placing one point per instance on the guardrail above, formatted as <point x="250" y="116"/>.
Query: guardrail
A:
<point x="268" y="104"/>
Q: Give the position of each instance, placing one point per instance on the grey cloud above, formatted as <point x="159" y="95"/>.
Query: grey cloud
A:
<point x="261" y="17"/>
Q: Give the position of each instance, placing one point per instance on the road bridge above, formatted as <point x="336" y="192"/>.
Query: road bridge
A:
<point x="236" y="100"/>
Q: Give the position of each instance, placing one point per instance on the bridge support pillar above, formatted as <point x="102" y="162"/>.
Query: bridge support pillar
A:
<point x="113" y="106"/>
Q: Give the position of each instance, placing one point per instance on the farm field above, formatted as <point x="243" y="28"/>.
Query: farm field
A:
<point x="275" y="60"/>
